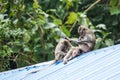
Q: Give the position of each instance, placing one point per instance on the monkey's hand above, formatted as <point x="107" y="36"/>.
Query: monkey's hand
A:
<point x="71" y="39"/>
<point x="67" y="38"/>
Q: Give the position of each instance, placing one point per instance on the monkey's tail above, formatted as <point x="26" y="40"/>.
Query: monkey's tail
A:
<point x="43" y="68"/>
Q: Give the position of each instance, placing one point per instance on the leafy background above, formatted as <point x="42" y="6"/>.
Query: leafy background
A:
<point x="30" y="29"/>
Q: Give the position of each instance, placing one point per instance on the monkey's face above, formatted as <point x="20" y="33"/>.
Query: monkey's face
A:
<point x="65" y="43"/>
<point x="82" y="30"/>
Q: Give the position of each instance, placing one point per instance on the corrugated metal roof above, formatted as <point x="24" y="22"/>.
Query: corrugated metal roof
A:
<point x="102" y="64"/>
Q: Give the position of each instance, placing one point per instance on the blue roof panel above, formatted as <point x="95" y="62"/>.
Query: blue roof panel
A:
<point x="7" y="75"/>
<point x="102" y="64"/>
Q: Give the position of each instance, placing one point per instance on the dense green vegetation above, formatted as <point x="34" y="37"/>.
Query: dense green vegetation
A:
<point x="30" y="29"/>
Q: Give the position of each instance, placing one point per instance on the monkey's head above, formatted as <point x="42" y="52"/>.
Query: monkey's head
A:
<point x="66" y="43"/>
<point x="76" y="52"/>
<point x="82" y="29"/>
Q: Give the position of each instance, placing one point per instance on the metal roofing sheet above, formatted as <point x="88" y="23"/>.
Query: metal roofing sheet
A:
<point x="102" y="64"/>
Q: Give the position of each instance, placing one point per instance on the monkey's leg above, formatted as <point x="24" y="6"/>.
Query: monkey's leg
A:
<point x="76" y="52"/>
<point x="61" y="55"/>
<point x="58" y="56"/>
<point x="68" y="55"/>
<point x="84" y="47"/>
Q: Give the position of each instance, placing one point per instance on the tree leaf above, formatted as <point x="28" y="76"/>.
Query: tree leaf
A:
<point x="98" y="43"/>
<point x="49" y="25"/>
<point x="102" y="26"/>
<point x="35" y="4"/>
<point x="15" y="21"/>
<point x="2" y="16"/>
<point x="109" y="42"/>
<point x="65" y="30"/>
<point x="115" y="10"/>
<point x="57" y="21"/>
<point x="59" y="32"/>
<point x="113" y="2"/>
<point x="71" y="18"/>
<point x="26" y="49"/>
<point x="26" y="37"/>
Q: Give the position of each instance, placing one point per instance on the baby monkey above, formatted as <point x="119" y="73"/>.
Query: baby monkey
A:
<point x="85" y="42"/>
<point x="73" y="52"/>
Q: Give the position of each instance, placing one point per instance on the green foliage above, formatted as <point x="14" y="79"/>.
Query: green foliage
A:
<point x="71" y="18"/>
<point x="115" y="7"/>
<point x="30" y="29"/>
<point x="103" y="36"/>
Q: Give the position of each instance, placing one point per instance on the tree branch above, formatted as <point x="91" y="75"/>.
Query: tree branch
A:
<point x="91" y="6"/>
<point x="73" y="25"/>
<point x="85" y="13"/>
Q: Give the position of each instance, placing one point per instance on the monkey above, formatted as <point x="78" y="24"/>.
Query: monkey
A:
<point x="73" y="52"/>
<point x="85" y="42"/>
<point x="87" y="39"/>
<point x="61" y="49"/>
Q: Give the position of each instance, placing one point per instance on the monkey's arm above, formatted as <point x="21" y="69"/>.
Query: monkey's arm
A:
<point x="75" y="40"/>
<point x="84" y="41"/>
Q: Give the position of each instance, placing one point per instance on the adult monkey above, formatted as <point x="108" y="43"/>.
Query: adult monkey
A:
<point x="85" y="42"/>
<point x="61" y="49"/>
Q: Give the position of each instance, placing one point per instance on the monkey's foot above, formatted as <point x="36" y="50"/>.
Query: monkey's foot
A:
<point x="65" y="61"/>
